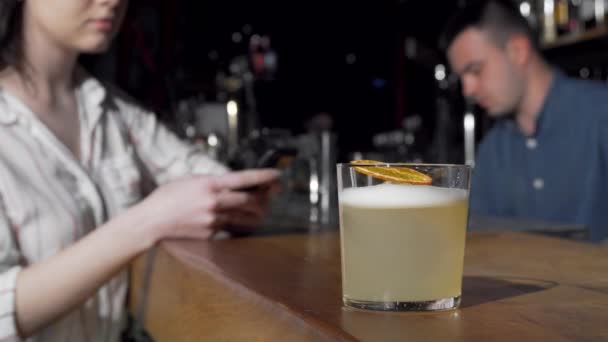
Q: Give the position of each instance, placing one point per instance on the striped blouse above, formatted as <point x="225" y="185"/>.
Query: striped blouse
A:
<point x="49" y="199"/>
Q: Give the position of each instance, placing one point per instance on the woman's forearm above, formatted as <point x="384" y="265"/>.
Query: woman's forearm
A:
<point x="48" y="289"/>
<point x="55" y="286"/>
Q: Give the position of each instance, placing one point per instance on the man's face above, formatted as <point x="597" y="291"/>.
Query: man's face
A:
<point x="487" y="72"/>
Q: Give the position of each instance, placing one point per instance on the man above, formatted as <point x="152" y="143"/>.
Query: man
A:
<point x="546" y="158"/>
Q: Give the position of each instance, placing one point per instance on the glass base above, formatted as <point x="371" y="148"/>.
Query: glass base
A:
<point x="433" y="305"/>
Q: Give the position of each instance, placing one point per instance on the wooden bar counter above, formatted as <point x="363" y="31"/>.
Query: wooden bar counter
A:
<point x="517" y="287"/>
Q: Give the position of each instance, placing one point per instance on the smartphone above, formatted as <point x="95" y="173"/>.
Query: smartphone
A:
<point x="276" y="158"/>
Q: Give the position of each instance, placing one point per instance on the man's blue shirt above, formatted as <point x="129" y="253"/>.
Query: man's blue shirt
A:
<point x="558" y="175"/>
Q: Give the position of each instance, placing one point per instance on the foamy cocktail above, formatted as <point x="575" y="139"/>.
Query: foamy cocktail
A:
<point x="403" y="245"/>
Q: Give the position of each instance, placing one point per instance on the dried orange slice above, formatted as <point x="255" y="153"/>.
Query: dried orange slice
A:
<point x="402" y="175"/>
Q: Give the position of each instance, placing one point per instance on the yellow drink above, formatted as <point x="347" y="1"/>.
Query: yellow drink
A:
<point x="402" y="243"/>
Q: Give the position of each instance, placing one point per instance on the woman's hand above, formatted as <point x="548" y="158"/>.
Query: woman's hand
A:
<point x="198" y="206"/>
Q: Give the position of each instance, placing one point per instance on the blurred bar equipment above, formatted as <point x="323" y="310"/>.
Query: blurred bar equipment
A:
<point x="398" y="146"/>
<point x="549" y="29"/>
<point x="328" y="160"/>
<point x="232" y="111"/>
<point x="443" y="110"/>
<point x="469" y="135"/>
<point x="317" y="151"/>
<point x="227" y="128"/>
<point x="442" y="146"/>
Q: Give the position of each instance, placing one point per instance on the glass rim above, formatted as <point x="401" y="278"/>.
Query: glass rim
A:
<point x="386" y="164"/>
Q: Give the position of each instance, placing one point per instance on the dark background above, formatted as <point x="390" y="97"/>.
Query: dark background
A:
<point x="170" y="50"/>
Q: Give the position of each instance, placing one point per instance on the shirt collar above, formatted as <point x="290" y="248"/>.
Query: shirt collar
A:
<point x="547" y="116"/>
<point x="92" y="99"/>
<point x="8" y="115"/>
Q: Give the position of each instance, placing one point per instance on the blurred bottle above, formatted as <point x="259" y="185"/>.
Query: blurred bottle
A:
<point x="592" y="13"/>
<point x="600" y="12"/>
<point x="549" y="33"/>
<point x="562" y="17"/>
<point x="597" y="74"/>
<point x="256" y="55"/>
<point x="270" y="59"/>
<point x="587" y="14"/>
<point x="575" y="23"/>
<point x="528" y="10"/>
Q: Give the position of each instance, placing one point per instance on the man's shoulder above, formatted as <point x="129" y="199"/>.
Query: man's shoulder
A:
<point x="588" y="99"/>
<point x="586" y="83"/>
<point x="583" y="91"/>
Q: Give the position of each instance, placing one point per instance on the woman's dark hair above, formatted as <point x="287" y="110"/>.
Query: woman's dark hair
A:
<point x="10" y="35"/>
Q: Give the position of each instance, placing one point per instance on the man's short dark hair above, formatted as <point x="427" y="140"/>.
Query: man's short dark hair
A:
<point x="500" y="18"/>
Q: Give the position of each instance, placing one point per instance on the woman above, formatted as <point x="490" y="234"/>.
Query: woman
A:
<point x="73" y="159"/>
